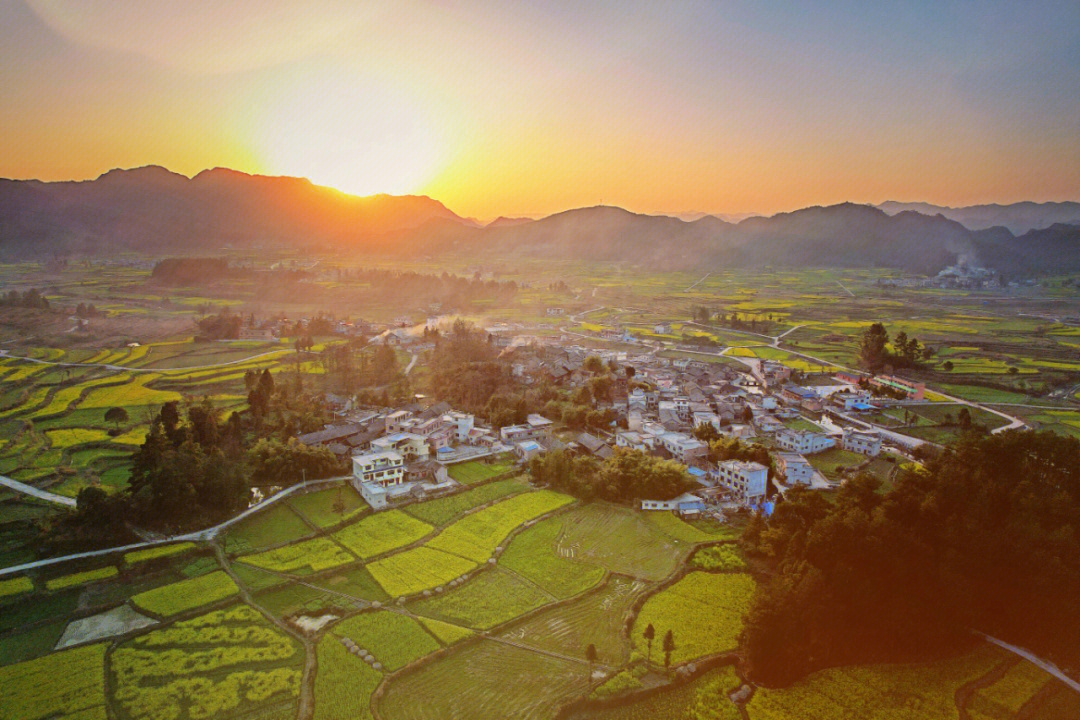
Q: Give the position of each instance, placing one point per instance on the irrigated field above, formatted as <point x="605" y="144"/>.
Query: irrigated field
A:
<point x="532" y="555"/>
<point x="489" y="599"/>
<point x="382" y="532"/>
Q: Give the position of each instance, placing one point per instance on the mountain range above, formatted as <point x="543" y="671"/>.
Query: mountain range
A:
<point x="155" y="211"/>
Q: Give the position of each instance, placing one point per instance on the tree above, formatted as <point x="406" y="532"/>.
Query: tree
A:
<point x="649" y="635"/>
<point x="872" y="347"/>
<point x="116" y="415"/>
<point x="669" y="647"/>
<point x="630" y="371"/>
<point x="593" y="364"/>
<point x="947" y="366"/>
<point x="590" y="655"/>
<point x="963" y="418"/>
<point x="339" y="503"/>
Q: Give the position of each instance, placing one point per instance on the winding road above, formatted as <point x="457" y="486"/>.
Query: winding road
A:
<point x="36" y="492"/>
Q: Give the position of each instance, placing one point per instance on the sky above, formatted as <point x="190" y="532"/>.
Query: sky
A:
<point x="527" y="109"/>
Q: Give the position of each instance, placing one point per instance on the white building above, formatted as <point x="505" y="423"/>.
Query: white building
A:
<point x="866" y="442"/>
<point x="374" y="473"/>
<point x="528" y="450"/>
<point x="463" y="424"/>
<point x="632" y="440"/>
<point x="683" y="447"/>
<point x="803" y="442"/>
<point x="746" y="479"/>
<point x="795" y="468"/>
<point x="685" y="504"/>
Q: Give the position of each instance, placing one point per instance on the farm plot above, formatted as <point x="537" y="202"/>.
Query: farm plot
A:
<point x="30" y="691"/>
<point x="702" y="610"/>
<point x="393" y="638"/>
<point x="719" y="557"/>
<point x="187" y="594"/>
<point x="160" y="551"/>
<point x="416" y="570"/>
<point x="476" y="536"/>
<point x="670" y="524"/>
<point x="531" y="554"/>
<point x="704" y="698"/>
<point x="293" y="599"/>
<point x="476" y="471"/>
<point x="446" y="633"/>
<point x="275" y="525"/>
<point x="81" y="578"/>
<point x="878" y="692"/>
<point x="489" y="599"/>
<point x="355" y="582"/>
<point x="596" y="618"/>
<point x="472" y="683"/>
<point x="134" y="393"/>
<point x="382" y="532"/>
<point x="15" y="586"/>
<point x="318" y="507"/>
<point x="302" y="558"/>
<point x="441" y="511"/>
<point x="228" y="663"/>
<point x="1004" y="698"/>
<point x="344" y="683"/>
<point x="620" y="540"/>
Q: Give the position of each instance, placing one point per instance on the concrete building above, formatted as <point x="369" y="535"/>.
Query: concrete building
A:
<point x="376" y="475"/>
<point x="409" y="445"/>
<point x="795" y="468"/>
<point x="747" y="480"/>
<point x="865" y="442"/>
<point x="685" y="504"/>
<point x="683" y="447"/>
<point x="803" y="442"/>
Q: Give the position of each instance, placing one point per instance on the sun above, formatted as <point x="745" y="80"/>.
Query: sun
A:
<point x="358" y="136"/>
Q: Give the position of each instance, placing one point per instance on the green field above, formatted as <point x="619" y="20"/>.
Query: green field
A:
<point x="187" y="594"/>
<point x="441" y="511"/>
<point x="702" y="610"/>
<point x="476" y="471"/>
<point x="31" y="691"/>
<point x="419" y="569"/>
<point x="489" y="599"/>
<point x="276" y="525"/>
<point x="394" y="639"/>
<point x="382" y="532"/>
<point x="344" y="683"/>
<point x="532" y="555"/>
<point x="318" y="507"/>
<point x="704" y="698"/>
<point x="302" y="558"/>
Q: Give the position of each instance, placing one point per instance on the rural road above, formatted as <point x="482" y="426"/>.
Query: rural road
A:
<point x="412" y="362"/>
<point x="198" y="536"/>
<point x="35" y="492"/>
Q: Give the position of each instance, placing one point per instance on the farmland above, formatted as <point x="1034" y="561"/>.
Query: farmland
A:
<point x="382" y="532"/>
<point x="302" y="558"/>
<point x="702" y="610"/>
<point x="489" y="599"/>
<point x="417" y="570"/>
<point x="704" y="698"/>
<point x="394" y="639"/>
<point x="187" y="594"/>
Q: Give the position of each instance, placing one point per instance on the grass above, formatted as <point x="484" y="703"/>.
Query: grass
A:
<point x="382" y="532"/>
<point x="485" y="680"/>
<point x="416" y="570"/>
<point x="489" y="599"/>
<point x="394" y="639"/>
<point x="877" y="692"/>
<point x="318" y="507"/>
<point x="441" y="511"/>
<point x="531" y="554"/>
<point x="1004" y="698"/>
<point x="597" y="618"/>
<point x="32" y="642"/>
<point x="704" y="698"/>
<point x="476" y="536"/>
<point x="30" y="691"/>
<point x="344" y="683"/>
<point x="670" y="524"/>
<point x="275" y="525"/>
<point x="830" y="461"/>
<point x="187" y="594"/>
<point x="293" y="599"/>
<point x="153" y="553"/>
<point x="15" y="586"/>
<point x="477" y="471"/>
<point x="702" y="610"/>
<point x="303" y="558"/>
<point x="620" y="540"/>
<point x="719" y="557"/>
<point x="75" y="436"/>
<point x="81" y="578"/>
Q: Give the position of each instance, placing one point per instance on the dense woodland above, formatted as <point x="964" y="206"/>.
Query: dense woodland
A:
<point x="195" y="470"/>
<point x="626" y="477"/>
<point x="986" y="538"/>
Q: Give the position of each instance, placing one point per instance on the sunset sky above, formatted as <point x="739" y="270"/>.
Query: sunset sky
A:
<point x="506" y="109"/>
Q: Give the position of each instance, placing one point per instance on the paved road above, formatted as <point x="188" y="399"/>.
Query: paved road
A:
<point x="39" y="494"/>
<point x="412" y="362"/>
<point x="200" y="536"/>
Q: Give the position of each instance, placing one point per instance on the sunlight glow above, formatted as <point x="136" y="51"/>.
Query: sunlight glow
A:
<point x="352" y="134"/>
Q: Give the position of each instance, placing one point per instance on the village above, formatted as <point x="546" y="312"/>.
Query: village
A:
<point x="662" y="406"/>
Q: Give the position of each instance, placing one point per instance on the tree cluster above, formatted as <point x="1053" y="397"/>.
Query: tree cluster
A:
<point x="626" y="477"/>
<point x="875" y="353"/>
<point x="986" y="538"/>
<point x="32" y="298"/>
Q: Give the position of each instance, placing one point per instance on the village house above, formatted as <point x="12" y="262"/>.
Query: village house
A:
<point x="803" y="442"/>
<point x="865" y="442"/>
<point x="746" y="479"/>
<point x="685" y="504"/>
<point x="375" y="473"/>
<point x="409" y="445"/>
<point x="683" y="447"/>
<point x="794" y="468"/>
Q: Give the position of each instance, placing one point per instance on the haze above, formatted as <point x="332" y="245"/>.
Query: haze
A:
<point x="527" y="110"/>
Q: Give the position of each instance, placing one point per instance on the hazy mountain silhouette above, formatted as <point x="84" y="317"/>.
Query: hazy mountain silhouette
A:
<point x="156" y="211"/>
<point x="1018" y="217"/>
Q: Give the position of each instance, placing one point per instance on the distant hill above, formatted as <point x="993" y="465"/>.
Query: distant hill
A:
<point x="151" y="209"/>
<point x="1018" y="217"/>
<point x="155" y="211"/>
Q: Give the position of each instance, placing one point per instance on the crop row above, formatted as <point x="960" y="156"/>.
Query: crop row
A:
<point x="416" y="570"/>
<point x="187" y="594"/>
<point x="309" y="556"/>
<point x="382" y="532"/>
<point x="65" y="684"/>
